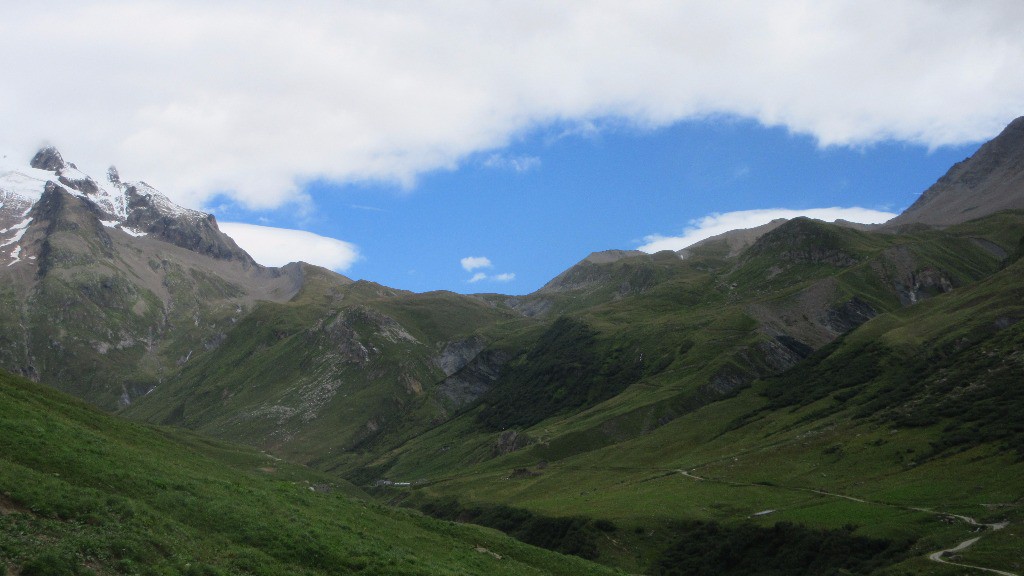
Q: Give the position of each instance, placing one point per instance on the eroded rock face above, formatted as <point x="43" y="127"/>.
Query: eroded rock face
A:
<point x="48" y="159"/>
<point x="922" y="285"/>
<point x="727" y="381"/>
<point x="510" y="441"/>
<point x="474" y="380"/>
<point x="457" y="354"/>
<point x="191" y="230"/>
<point x="848" y="315"/>
<point x="781" y="353"/>
<point x="989" y="181"/>
<point x="83" y="185"/>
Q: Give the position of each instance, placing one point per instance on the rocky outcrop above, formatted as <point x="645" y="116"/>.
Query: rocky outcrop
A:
<point x="509" y="441"/>
<point x="455" y="355"/>
<point x="83" y="185"/>
<point x="844" y="317"/>
<point x="911" y="281"/>
<point x="474" y="380"/>
<point x="149" y="212"/>
<point x="73" y="233"/>
<point x="48" y="158"/>
<point x="921" y="285"/>
<point x="532" y="306"/>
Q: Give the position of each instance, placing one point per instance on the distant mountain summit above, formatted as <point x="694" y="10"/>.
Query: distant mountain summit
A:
<point x="989" y="181"/>
<point x="135" y="208"/>
<point x="107" y="286"/>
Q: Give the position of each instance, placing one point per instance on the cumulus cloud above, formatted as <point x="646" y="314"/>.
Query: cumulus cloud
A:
<point x="251" y="100"/>
<point x="279" y="246"/>
<point x="471" y="263"/>
<point x="714" y="224"/>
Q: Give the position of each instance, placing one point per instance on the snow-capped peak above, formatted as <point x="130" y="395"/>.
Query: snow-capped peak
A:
<point x="19" y="181"/>
<point x="20" y="184"/>
<point x="128" y="206"/>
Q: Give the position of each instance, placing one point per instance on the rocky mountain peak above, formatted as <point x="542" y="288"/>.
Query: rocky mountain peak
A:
<point x="989" y="181"/>
<point x="135" y="208"/>
<point x="48" y="158"/>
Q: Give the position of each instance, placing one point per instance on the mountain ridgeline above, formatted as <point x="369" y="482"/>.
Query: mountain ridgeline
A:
<point x="839" y="390"/>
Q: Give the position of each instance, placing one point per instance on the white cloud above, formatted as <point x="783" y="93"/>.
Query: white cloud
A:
<point x="714" y="224"/>
<point x="253" y="99"/>
<point x="503" y="277"/>
<point x="279" y="246"/>
<point x="516" y="163"/>
<point x="471" y="263"/>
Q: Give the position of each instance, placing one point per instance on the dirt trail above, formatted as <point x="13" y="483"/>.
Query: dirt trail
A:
<point x="934" y="556"/>
<point x="937" y="557"/>
<point x="688" y="475"/>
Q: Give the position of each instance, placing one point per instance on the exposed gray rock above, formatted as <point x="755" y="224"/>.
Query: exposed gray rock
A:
<point x="84" y="185"/>
<point x="922" y="285"/>
<point x="510" y="441"/>
<point x="531" y="307"/>
<point x="457" y="354"/>
<point x="48" y="159"/>
<point x="989" y="181"/>
<point x="609" y="256"/>
<point x="848" y="315"/>
<point x="192" y="230"/>
<point x="991" y="247"/>
<point x="474" y="380"/>
<point x="782" y="353"/>
<point x="728" y="380"/>
<point x="734" y="241"/>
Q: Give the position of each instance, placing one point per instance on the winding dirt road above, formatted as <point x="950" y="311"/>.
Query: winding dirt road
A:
<point x="936" y="556"/>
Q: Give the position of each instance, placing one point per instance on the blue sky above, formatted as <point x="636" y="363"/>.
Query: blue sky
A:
<point x="546" y="201"/>
<point x="390" y="140"/>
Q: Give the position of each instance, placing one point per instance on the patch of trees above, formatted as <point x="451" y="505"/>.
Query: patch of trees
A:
<point x="568" y="367"/>
<point x="970" y="386"/>
<point x="786" y="549"/>
<point x="575" y="535"/>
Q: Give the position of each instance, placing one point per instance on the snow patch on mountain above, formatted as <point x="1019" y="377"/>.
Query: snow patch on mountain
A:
<point x="22" y="185"/>
<point x="16" y="255"/>
<point x="20" y="181"/>
<point x="18" y="231"/>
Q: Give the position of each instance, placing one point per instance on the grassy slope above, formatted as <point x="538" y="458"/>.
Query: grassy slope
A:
<point x="619" y="458"/>
<point x="334" y="371"/>
<point x="83" y="492"/>
<point x="616" y="461"/>
<point x="755" y="452"/>
<point x="692" y="326"/>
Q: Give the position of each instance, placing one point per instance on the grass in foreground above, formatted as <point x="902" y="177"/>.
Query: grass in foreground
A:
<point x="84" y="493"/>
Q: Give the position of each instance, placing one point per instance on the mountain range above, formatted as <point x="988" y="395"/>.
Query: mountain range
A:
<point x="844" y="392"/>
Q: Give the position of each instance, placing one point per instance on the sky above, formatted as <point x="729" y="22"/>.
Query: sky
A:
<point x="487" y="146"/>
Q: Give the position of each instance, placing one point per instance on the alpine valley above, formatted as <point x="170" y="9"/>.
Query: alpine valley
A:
<point x="800" y="398"/>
